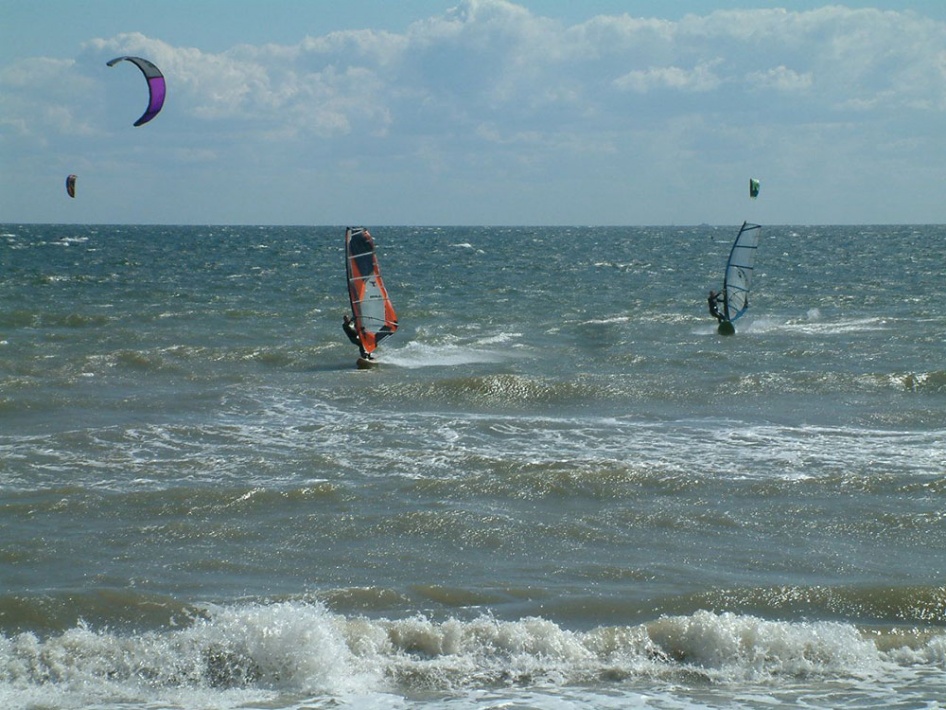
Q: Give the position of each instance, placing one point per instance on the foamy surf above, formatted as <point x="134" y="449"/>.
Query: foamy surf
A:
<point x="417" y="355"/>
<point x="819" y="326"/>
<point x="290" y="654"/>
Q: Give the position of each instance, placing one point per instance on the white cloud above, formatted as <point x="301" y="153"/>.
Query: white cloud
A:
<point x="781" y="78"/>
<point x="491" y="83"/>
<point x="487" y="57"/>
<point x="699" y="78"/>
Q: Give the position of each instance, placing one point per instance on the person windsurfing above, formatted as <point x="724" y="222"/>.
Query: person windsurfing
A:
<point x="348" y="325"/>
<point x="713" y="303"/>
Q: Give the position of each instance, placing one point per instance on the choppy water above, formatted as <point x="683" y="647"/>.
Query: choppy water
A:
<point x="561" y="488"/>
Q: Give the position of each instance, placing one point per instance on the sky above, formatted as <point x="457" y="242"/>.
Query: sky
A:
<point x="475" y="112"/>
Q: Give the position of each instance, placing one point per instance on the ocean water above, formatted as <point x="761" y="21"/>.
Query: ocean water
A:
<point x="560" y="488"/>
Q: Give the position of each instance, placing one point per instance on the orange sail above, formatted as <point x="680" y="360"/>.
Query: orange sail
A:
<point x="373" y="313"/>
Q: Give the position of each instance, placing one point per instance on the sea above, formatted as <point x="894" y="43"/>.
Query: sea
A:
<point x="559" y="488"/>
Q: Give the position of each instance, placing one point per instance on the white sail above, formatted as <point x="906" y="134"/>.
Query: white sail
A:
<point x="738" y="278"/>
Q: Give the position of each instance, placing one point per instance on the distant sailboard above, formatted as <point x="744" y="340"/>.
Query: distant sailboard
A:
<point x="738" y="277"/>
<point x="157" y="89"/>
<point x="371" y="307"/>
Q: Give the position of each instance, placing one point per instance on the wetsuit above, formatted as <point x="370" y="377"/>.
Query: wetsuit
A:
<point x="352" y="333"/>
<point x="713" y="302"/>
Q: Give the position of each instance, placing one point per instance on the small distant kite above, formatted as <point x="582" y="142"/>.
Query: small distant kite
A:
<point x="753" y="188"/>
<point x="156" y="86"/>
<point x="71" y="185"/>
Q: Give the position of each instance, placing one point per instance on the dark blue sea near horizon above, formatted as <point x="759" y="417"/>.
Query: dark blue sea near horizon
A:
<point x="560" y="488"/>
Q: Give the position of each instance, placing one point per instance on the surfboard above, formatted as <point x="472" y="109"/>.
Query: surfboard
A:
<point x="365" y="364"/>
<point x="726" y="328"/>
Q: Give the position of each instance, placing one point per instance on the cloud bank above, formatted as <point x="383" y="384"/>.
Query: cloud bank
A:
<point x="491" y="113"/>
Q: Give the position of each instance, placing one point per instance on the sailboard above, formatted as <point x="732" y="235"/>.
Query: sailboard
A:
<point x="737" y="279"/>
<point x="372" y="311"/>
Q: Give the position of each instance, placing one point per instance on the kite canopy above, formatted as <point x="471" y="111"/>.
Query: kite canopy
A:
<point x="156" y="86"/>
<point x="753" y="188"/>
<point x="71" y="185"/>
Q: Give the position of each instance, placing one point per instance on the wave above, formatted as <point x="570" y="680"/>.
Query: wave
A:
<point x="816" y="326"/>
<point x="22" y="318"/>
<point x="194" y="364"/>
<point x="279" y="653"/>
<point x="813" y="323"/>
<point x="934" y="381"/>
<point x="534" y="453"/>
<point x="833" y="382"/>
<point x="493" y="392"/>
<point x="889" y="606"/>
<point x="418" y="355"/>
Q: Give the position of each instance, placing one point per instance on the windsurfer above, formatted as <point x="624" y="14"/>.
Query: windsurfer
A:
<point x="713" y="302"/>
<point x="349" y="327"/>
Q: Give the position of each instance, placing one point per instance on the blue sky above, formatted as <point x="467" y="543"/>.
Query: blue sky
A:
<point x="489" y="112"/>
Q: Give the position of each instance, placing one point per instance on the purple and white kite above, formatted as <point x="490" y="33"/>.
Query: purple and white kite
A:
<point x="156" y="86"/>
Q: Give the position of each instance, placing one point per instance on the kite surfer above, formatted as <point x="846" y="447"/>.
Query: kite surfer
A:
<point x="349" y="327"/>
<point x="713" y="302"/>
